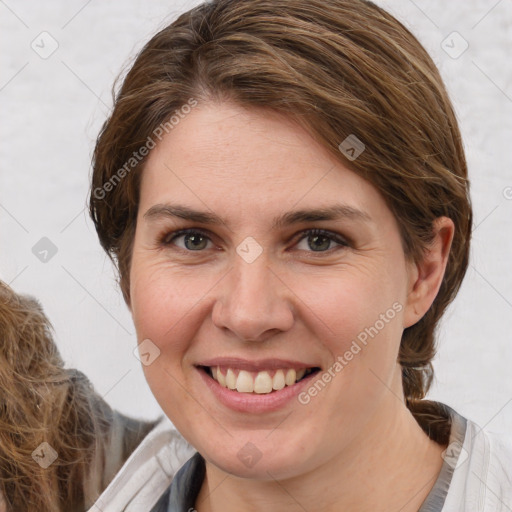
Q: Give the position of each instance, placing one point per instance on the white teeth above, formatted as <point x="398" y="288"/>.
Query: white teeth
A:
<point x="220" y="378"/>
<point x="244" y="382"/>
<point x="231" y="379"/>
<point x="291" y="377"/>
<point x="278" y="380"/>
<point x="261" y="382"/>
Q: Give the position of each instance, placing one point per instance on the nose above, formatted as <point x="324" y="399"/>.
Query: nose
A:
<point x="253" y="302"/>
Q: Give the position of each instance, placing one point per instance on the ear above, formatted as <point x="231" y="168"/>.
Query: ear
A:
<point x="426" y="276"/>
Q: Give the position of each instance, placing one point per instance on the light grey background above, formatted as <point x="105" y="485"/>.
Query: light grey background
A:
<point x="52" y="109"/>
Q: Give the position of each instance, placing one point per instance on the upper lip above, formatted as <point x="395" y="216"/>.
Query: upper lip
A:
<point x="255" y="366"/>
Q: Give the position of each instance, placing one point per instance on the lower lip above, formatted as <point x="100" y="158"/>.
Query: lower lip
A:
<point x="254" y="403"/>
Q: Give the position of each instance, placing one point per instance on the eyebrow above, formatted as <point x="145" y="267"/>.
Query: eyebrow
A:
<point x="334" y="212"/>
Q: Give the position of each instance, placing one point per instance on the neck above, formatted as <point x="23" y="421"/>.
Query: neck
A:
<point x="391" y="465"/>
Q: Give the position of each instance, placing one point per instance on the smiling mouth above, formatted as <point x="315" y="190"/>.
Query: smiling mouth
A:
<point x="260" y="383"/>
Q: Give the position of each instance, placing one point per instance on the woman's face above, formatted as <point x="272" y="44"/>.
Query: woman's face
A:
<point x="261" y="297"/>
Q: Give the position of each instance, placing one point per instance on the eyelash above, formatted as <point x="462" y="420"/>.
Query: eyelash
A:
<point x="165" y="241"/>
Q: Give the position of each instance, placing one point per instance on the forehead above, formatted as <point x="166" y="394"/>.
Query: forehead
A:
<point x="230" y="138"/>
<point x="248" y="160"/>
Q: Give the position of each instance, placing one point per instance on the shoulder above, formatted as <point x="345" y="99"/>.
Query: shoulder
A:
<point x="482" y="471"/>
<point x="148" y="471"/>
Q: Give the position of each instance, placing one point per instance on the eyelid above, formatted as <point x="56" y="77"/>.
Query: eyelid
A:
<point x="342" y="241"/>
<point x="180" y="232"/>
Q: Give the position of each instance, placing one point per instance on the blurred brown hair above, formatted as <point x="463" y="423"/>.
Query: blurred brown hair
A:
<point x="339" y="68"/>
<point x="41" y="401"/>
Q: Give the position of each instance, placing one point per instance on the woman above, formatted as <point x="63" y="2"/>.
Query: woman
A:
<point x="60" y="442"/>
<point x="284" y="190"/>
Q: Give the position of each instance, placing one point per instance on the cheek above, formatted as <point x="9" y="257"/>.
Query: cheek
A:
<point x="164" y="310"/>
<point x="343" y="305"/>
<point x="358" y="318"/>
<point x="163" y="306"/>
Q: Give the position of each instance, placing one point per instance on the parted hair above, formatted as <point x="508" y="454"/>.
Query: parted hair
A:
<point x="60" y="442"/>
<point x="340" y="68"/>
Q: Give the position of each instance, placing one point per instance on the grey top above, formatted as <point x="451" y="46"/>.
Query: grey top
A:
<point x="181" y="495"/>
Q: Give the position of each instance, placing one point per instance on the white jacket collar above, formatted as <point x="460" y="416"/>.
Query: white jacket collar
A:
<point x="147" y="473"/>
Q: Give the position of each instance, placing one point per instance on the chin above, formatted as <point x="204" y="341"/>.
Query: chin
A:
<point x="257" y="459"/>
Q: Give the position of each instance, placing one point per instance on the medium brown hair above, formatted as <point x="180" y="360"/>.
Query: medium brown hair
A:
<point x="43" y="402"/>
<point x="337" y="67"/>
